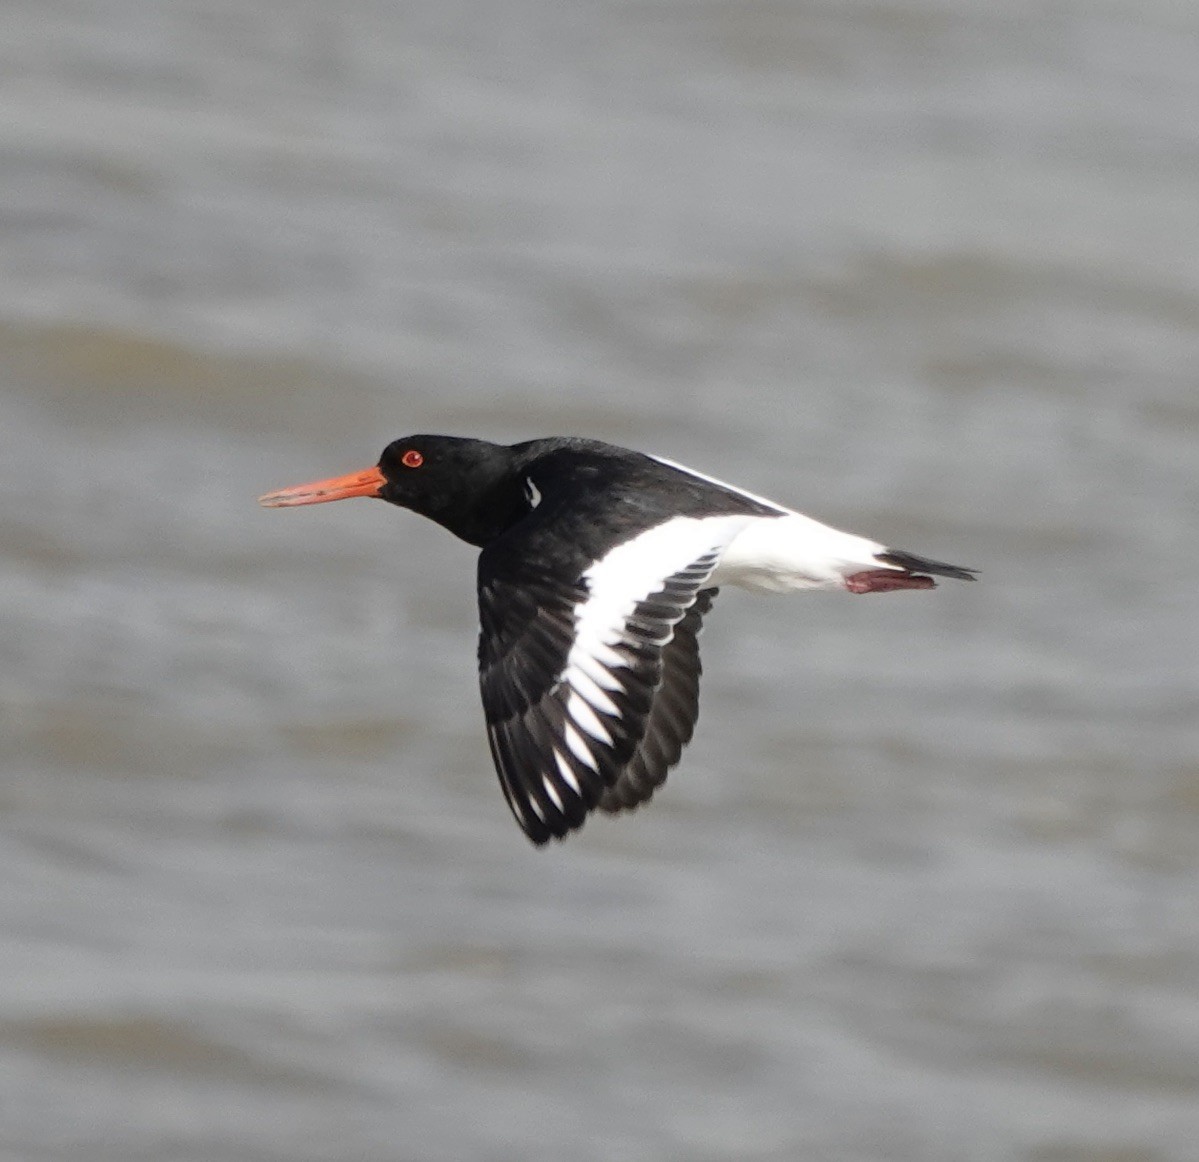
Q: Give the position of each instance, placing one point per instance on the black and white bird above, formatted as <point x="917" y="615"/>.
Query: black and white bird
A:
<point x="598" y="565"/>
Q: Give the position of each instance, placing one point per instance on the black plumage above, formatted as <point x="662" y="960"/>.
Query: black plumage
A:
<point x="598" y="565"/>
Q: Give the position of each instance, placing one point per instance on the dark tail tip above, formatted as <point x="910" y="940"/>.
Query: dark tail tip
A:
<point x="916" y="564"/>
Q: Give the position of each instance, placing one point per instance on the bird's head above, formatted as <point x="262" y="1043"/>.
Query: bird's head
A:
<point x="463" y="484"/>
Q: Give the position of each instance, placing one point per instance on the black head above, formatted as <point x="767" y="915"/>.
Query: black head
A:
<point x="465" y="485"/>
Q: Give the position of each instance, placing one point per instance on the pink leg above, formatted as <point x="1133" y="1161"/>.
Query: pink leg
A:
<point x="885" y="580"/>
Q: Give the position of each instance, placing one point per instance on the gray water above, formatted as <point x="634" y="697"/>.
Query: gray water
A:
<point x="926" y="886"/>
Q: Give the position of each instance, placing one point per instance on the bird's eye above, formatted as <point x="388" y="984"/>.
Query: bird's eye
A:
<point x="412" y="459"/>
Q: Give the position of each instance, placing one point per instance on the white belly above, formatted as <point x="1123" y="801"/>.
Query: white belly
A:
<point x="786" y="553"/>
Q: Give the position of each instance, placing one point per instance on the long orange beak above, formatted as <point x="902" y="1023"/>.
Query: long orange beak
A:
<point x="366" y="483"/>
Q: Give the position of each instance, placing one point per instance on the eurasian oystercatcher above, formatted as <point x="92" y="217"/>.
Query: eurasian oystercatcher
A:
<point x="598" y="566"/>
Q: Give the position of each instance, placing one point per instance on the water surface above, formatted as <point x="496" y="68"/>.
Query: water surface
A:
<point x="925" y="887"/>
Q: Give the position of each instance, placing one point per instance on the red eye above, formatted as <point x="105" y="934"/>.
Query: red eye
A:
<point x="412" y="459"/>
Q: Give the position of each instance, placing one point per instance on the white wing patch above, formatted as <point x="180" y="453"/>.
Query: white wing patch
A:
<point x="578" y="748"/>
<point x="597" y="670"/>
<point x="635" y="569"/>
<point x="584" y="684"/>
<point x="585" y="717"/>
<point x="568" y="776"/>
<point x="552" y="792"/>
<point x="616" y="584"/>
<point x="532" y="492"/>
<point x="571" y="674"/>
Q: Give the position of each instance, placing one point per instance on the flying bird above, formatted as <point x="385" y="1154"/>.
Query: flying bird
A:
<point x="598" y="565"/>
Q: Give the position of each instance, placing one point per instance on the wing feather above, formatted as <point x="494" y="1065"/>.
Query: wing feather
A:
<point x="672" y="718"/>
<point x="590" y="686"/>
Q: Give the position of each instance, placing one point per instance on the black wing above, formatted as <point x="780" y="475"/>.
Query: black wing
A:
<point x="672" y="716"/>
<point x="587" y="696"/>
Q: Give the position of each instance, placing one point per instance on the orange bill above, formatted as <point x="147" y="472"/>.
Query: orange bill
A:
<point x="365" y="483"/>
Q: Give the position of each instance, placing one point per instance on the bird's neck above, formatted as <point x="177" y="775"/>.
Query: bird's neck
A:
<point x="486" y="514"/>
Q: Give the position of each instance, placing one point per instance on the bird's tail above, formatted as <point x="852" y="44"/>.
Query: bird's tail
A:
<point x="915" y="564"/>
<point x="903" y="571"/>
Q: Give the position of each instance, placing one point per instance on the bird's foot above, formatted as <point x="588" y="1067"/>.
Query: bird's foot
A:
<point x="885" y="580"/>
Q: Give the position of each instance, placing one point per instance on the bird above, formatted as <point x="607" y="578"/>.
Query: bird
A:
<point x="597" y="567"/>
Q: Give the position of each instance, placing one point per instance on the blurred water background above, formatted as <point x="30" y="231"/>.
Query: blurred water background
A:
<point x="926" y="887"/>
